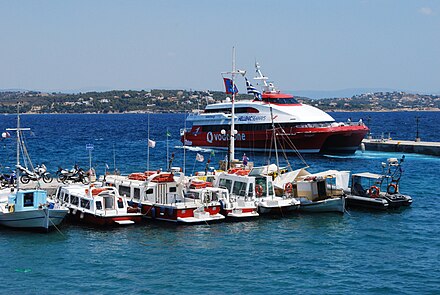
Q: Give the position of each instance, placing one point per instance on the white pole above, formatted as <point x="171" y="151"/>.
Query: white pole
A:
<point x="232" y="137"/>
<point x="17" y="171"/>
<point x="148" y="143"/>
<point x="90" y="159"/>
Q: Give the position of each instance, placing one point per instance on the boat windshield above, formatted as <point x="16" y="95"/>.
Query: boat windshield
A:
<point x="290" y="100"/>
<point x="227" y="110"/>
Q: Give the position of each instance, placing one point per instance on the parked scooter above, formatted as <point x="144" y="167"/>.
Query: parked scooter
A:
<point x="76" y="174"/>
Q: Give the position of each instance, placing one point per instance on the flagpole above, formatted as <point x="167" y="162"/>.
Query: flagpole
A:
<point x="184" y="145"/>
<point x="167" y="149"/>
<point x="114" y="159"/>
<point x="231" y="146"/>
<point x="232" y="138"/>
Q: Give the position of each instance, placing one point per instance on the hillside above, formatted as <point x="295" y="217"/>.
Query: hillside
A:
<point x="166" y="101"/>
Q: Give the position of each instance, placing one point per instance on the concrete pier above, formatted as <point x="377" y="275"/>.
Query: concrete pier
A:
<point x="403" y="146"/>
<point x="50" y="187"/>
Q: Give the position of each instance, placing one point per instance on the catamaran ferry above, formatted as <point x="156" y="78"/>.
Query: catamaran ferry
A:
<point x="298" y="127"/>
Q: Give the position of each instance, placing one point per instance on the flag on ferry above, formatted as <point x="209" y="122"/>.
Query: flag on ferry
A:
<point x="252" y="90"/>
<point x="228" y="86"/>
<point x="200" y="157"/>
<point x="168" y="134"/>
<point x="151" y="143"/>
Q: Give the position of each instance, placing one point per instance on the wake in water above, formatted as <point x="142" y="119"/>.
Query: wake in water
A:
<point x="382" y="155"/>
<point x="194" y="149"/>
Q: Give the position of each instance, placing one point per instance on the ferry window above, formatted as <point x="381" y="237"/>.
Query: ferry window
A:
<point x="108" y="202"/>
<point x="239" y="188"/>
<point x="245" y="110"/>
<point x="227" y="183"/>
<point x="290" y="100"/>
<point x="85" y="203"/>
<point x="124" y="190"/>
<point x="98" y="205"/>
<point x="66" y="198"/>
<point x="149" y="191"/>
<point x="173" y="189"/>
<point x="75" y="200"/>
<point x="28" y="200"/>
<point x="137" y="193"/>
<point x="120" y="203"/>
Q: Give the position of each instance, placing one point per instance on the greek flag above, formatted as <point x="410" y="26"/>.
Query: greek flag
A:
<point x="228" y="86"/>
<point x="252" y="90"/>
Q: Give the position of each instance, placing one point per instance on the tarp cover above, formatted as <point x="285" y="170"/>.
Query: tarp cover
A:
<point x="281" y="180"/>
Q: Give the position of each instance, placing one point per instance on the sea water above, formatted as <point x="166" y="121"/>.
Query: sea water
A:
<point x="359" y="252"/>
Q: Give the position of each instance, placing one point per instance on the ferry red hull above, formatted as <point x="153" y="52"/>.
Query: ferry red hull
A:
<point x="340" y="139"/>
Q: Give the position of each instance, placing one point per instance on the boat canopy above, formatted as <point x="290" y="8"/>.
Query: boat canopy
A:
<point x="342" y="177"/>
<point x="281" y="180"/>
<point x="263" y="170"/>
<point x="367" y="175"/>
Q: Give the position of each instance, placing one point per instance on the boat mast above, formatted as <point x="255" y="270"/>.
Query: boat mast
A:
<point x="148" y="142"/>
<point x="261" y="77"/>
<point x="184" y="145"/>
<point x="17" y="171"/>
<point x="231" y="156"/>
<point x="18" y="130"/>
<point x="232" y="138"/>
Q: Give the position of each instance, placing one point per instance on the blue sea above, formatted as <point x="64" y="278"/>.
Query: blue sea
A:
<point x="359" y="252"/>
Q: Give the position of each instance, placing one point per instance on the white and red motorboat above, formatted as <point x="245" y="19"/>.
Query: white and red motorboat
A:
<point x="96" y="205"/>
<point x="161" y="195"/>
<point x="299" y="127"/>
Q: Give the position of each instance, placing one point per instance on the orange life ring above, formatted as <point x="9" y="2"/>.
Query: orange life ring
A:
<point x="242" y="172"/>
<point x="259" y="190"/>
<point x="288" y="188"/>
<point x="394" y="186"/>
<point x="374" y="191"/>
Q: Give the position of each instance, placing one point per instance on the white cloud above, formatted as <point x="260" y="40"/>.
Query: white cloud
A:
<point x="425" y="10"/>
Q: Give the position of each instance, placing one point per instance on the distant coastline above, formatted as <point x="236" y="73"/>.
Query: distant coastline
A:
<point x="183" y="101"/>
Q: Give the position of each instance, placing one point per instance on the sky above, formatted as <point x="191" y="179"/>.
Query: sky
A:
<point x="301" y="45"/>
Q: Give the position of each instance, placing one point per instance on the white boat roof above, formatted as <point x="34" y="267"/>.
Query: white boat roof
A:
<point x="281" y="180"/>
<point x="368" y="175"/>
<point x="328" y="173"/>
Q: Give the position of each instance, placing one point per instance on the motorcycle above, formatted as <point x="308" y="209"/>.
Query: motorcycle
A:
<point x="43" y="173"/>
<point x="8" y="179"/>
<point x="40" y="172"/>
<point x="75" y="175"/>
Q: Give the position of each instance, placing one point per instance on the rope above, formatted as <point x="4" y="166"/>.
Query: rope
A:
<point x="53" y="223"/>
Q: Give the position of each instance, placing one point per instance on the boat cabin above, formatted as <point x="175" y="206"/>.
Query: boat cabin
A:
<point x="361" y="183"/>
<point x="94" y="200"/>
<point x="208" y="194"/>
<point x="249" y="186"/>
<point x="320" y="186"/>
<point x="160" y="188"/>
<point x="24" y="200"/>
